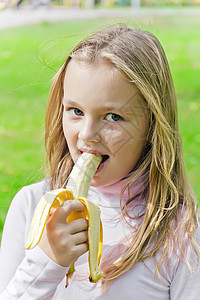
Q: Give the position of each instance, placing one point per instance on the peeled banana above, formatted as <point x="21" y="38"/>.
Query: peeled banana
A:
<point x="77" y="188"/>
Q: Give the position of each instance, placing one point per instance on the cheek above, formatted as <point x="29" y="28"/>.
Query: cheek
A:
<point x="64" y="126"/>
<point x="71" y="137"/>
<point x="68" y="130"/>
<point x="131" y="144"/>
<point x="114" y="137"/>
<point x="138" y="133"/>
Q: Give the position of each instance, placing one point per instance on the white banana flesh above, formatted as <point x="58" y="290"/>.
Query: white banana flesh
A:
<point x="77" y="188"/>
<point x="82" y="173"/>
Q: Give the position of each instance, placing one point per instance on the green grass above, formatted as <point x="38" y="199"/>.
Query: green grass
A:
<point x="25" y="82"/>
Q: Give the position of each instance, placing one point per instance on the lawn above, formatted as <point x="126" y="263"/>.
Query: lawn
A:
<point x="29" y="57"/>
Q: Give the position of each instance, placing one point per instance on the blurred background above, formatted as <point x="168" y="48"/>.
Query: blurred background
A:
<point x="98" y="3"/>
<point x="36" y="36"/>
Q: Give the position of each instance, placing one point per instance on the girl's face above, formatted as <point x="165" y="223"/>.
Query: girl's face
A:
<point x="103" y="113"/>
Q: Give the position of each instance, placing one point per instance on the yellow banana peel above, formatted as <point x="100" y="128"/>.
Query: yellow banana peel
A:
<point x="77" y="188"/>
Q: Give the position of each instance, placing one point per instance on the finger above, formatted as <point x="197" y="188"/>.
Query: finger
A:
<point x="77" y="226"/>
<point x="80" y="237"/>
<point x="65" y="210"/>
<point x="81" y="249"/>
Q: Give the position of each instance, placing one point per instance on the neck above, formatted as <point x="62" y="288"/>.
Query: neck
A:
<point x="135" y="186"/>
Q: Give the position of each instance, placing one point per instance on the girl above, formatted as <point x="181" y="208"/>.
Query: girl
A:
<point x="114" y="95"/>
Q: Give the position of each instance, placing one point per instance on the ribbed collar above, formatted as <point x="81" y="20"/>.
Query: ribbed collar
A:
<point x="112" y="193"/>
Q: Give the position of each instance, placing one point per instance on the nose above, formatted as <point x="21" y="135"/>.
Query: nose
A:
<point x="90" y="132"/>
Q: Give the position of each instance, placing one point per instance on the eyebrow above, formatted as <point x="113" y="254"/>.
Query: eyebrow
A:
<point x="105" y="108"/>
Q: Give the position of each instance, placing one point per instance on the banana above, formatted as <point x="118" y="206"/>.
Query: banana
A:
<point x="77" y="188"/>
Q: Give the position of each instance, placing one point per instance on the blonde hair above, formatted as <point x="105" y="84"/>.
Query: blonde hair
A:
<point x="169" y="197"/>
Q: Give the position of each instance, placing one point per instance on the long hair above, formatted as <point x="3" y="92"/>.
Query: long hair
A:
<point x="140" y="56"/>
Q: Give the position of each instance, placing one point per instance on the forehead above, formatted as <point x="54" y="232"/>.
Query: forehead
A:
<point x="102" y="83"/>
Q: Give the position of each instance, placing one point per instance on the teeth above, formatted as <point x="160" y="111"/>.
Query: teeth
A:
<point x="77" y="188"/>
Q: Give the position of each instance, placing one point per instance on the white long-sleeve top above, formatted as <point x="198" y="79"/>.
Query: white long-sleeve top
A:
<point x="31" y="274"/>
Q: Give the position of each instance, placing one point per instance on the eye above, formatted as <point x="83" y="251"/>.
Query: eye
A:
<point x="76" y="111"/>
<point x="113" y="117"/>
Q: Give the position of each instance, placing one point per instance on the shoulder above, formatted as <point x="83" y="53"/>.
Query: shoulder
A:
<point x="35" y="190"/>
<point x="29" y="196"/>
<point x="23" y="205"/>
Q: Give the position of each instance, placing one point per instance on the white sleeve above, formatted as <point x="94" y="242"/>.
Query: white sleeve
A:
<point x="37" y="277"/>
<point x="186" y="284"/>
<point x="25" y="274"/>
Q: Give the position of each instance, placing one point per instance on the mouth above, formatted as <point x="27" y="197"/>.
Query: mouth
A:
<point x="105" y="158"/>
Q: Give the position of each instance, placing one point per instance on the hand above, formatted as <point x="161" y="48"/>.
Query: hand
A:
<point x="63" y="242"/>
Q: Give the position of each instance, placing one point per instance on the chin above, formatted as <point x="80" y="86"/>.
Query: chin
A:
<point x="99" y="183"/>
<point x="95" y="183"/>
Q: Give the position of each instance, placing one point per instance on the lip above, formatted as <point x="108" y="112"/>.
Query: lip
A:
<point x="91" y="151"/>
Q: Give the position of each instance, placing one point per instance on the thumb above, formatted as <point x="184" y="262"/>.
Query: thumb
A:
<point x="52" y="210"/>
<point x="61" y="214"/>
